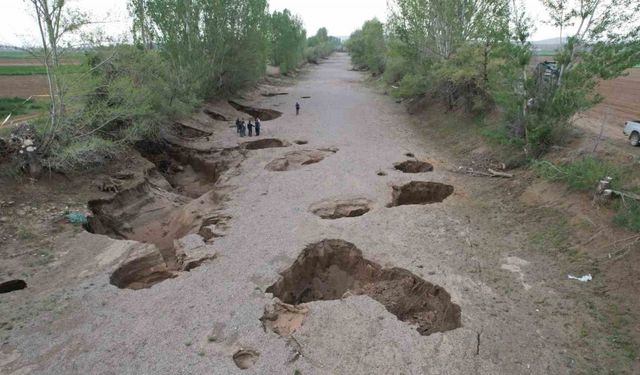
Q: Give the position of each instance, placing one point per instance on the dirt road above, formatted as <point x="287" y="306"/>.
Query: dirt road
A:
<point x="373" y="301"/>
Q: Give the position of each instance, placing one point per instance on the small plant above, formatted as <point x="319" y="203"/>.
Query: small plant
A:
<point x="297" y="372"/>
<point x="201" y="354"/>
<point x="25" y="234"/>
<point x="212" y="338"/>
<point x="188" y="344"/>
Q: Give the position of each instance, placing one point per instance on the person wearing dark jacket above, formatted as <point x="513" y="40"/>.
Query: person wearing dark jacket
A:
<point x="238" y="123"/>
<point x="297" y="108"/>
<point x="250" y="127"/>
<point x="257" y="127"/>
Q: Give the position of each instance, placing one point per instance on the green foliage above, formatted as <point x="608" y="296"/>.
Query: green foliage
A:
<point x="320" y="46"/>
<point x="213" y="48"/>
<point x="128" y="96"/>
<point x="367" y="47"/>
<point x="20" y="106"/>
<point x="476" y="55"/>
<point x="287" y="39"/>
<point x="581" y="174"/>
<point x="25" y="70"/>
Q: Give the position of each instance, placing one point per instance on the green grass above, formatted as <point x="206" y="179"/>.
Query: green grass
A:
<point x="15" y="55"/>
<point x="26" y="70"/>
<point x="581" y="174"/>
<point x="20" y="106"/>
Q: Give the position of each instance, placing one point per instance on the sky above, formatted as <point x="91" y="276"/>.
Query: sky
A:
<point x="340" y="17"/>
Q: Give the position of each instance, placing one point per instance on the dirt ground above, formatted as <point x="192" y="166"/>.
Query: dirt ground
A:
<point x="434" y="272"/>
<point x="621" y="103"/>
<point x="23" y="86"/>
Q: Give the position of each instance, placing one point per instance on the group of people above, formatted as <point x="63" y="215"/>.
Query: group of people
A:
<point x="242" y="127"/>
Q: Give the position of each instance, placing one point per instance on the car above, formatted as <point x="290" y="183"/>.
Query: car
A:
<point x="632" y="130"/>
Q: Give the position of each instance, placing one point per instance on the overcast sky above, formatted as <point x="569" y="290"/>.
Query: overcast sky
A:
<point x="341" y="17"/>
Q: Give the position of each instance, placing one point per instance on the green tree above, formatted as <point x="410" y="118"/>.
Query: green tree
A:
<point x="288" y="39"/>
<point x="368" y="48"/>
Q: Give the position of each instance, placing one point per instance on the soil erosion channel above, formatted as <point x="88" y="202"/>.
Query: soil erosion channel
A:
<point x="319" y="249"/>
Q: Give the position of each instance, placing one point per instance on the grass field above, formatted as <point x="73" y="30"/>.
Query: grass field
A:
<point x="20" y="106"/>
<point x="19" y="55"/>
<point x="26" y="70"/>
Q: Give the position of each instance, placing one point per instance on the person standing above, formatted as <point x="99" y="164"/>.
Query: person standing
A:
<point x="238" y="126"/>
<point x="243" y="129"/>
<point x="250" y="127"/>
<point x="257" y="127"/>
<point x="297" y="108"/>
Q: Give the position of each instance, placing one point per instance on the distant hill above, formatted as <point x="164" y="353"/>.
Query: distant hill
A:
<point x="551" y="45"/>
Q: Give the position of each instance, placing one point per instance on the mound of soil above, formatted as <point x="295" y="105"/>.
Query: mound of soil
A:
<point x="336" y="209"/>
<point x="420" y="192"/>
<point x="283" y="319"/>
<point x="265" y="143"/>
<point x="327" y="270"/>
<point x="261" y="113"/>
<point x="413" y="166"/>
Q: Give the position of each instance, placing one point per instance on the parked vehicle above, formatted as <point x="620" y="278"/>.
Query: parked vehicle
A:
<point x="632" y="130"/>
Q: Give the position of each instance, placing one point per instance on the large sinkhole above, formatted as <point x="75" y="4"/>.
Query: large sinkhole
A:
<point x="261" y="113"/>
<point x="339" y="208"/>
<point x="265" y="143"/>
<point x="413" y="166"/>
<point x="420" y="192"/>
<point x="328" y="269"/>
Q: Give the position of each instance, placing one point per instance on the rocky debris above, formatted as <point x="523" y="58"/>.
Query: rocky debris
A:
<point x="12" y="285"/>
<point x="339" y="208"/>
<point x="283" y="319"/>
<point x="270" y="94"/>
<point x="245" y="358"/>
<point x="333" y="150"/>
<point x="413" y="166"/>
<point x="265" y="143"/>
<point x="142" y="267"/>
<point x="261" y="113"/>
<point x="296" y="160"/>
<point x="214" y="227"/>
<point x="192" y="251"/>
<point x="420" y="192"/>
<point x="21" y="148"/>
<point x="336" y="269"/>
<point x="108" y="184"/>
<point x="301" y="142"/>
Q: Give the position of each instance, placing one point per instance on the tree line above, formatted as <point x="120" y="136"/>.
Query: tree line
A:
<point x="183" y="52"/>
<point x="477" y="55"/>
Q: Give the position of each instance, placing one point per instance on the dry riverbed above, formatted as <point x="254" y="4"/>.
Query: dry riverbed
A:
<point x="339" y="242"/>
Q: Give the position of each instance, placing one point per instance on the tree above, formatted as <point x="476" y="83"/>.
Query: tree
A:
<point x="287" y="40"/>
<point x="368" y="48"/>
<point x="55" y="21"/>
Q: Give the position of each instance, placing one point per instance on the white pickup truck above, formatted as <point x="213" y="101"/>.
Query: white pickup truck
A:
<point x="632" y="130"/>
